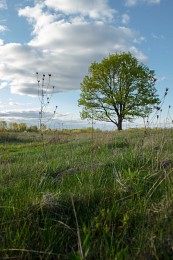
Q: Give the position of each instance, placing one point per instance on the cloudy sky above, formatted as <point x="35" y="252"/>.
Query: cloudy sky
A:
<point x="63" y="37"/>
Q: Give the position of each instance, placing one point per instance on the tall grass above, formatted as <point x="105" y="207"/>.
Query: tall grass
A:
<point x="102" y="196"/>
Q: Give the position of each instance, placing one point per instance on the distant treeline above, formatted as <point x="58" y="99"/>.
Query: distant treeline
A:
<point x="17" y="127"/>
<point x="22" y="127"/>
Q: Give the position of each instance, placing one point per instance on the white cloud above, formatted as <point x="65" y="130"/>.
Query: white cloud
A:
<point x="3" y="4"/>
<point x="1" y="41"/>
<point x="30" y="117"/>
<point x="16" y="114"/>
<point x="163" y="78"/>
<point x="3" y="28"/>
<point x="125" y="19"/>
<point x="36" y="16"/>
<point x="135" y="2"/>
<point x="131" y="2"/>
<point x="153" y="1"/>
<point x="63" y="47"/>
<point x="3" y="85"/>
<point x="11" y="103"/>
<point x="158" y="37"/>
<point x="97" y="9"/>
<point x="139" y="40"/>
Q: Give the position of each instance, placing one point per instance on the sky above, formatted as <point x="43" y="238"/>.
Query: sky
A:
<point x="63" y="38"/>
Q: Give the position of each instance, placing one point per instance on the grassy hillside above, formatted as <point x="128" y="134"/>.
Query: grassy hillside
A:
<point x="101" y="195"/>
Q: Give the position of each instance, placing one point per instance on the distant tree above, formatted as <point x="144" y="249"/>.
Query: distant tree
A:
<point x="13" y="126"/>
<point x="3" y="125"/>
<point x="118" y="88"/>
<point x="32" y="128"/>
<point x="18" y="127"/>
<point x="21" y="127"/>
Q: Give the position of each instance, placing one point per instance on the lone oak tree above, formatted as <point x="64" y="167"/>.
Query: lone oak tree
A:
<point x="118" y="88"/>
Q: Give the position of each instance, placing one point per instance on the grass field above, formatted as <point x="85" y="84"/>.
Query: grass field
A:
<point x="101" y="195"/>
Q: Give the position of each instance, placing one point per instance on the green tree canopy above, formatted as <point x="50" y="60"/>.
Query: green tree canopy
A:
<point x="118" y="88"/>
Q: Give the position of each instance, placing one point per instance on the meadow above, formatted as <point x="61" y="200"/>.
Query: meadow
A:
<point x="86" y="195"/>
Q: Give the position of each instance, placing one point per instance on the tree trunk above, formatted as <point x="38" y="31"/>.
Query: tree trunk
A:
<point x="119" y="124"/>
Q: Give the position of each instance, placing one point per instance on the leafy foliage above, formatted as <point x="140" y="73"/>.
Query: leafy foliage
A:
<point x="119" y="88"/>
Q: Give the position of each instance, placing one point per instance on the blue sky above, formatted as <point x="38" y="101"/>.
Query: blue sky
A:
<point x="63" y="37"/>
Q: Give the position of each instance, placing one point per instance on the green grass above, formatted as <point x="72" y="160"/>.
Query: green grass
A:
<point x="106" y="197"/>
